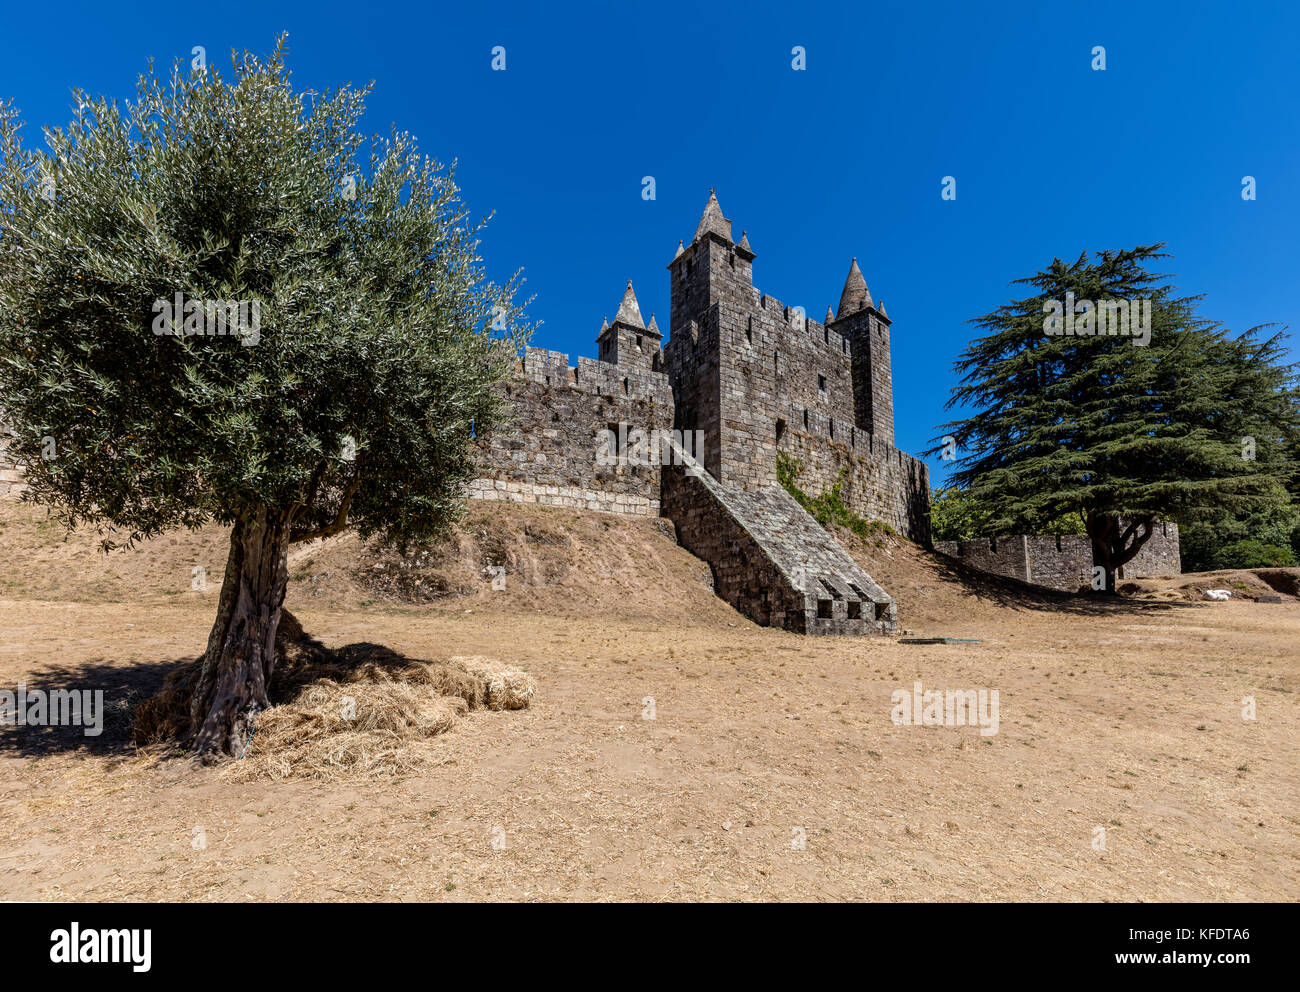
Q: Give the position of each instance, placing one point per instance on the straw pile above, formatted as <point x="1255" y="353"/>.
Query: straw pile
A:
<point x="362" y="709"/>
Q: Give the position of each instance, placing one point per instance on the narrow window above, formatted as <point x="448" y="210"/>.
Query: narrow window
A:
<point x="805" y="418"/>
<point x="821" y="383"/>
<point x="749" y="331"/>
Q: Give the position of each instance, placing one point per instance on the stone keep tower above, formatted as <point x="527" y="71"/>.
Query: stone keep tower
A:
<point x="757" y="376"/>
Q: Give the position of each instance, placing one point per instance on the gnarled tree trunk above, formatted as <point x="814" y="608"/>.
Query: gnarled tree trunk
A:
<point x="232" y="685"/>
<point x="1114" y="545"/>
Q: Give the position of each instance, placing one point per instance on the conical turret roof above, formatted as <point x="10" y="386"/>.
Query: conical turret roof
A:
<point x="855" y="295"/>
<point x="628" y="311"/>
<point x="713" y="221"/>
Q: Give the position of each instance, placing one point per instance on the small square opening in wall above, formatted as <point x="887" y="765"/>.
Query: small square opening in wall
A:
<point x="882" y="611"/>
<point x="855" y="609"/>
<point x="821" y="383"/>
<point x="824" y="609"/>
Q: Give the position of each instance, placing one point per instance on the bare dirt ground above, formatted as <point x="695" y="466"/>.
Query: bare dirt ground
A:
<point x="771" y="769"/>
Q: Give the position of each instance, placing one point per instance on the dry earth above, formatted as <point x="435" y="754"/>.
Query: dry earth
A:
<point x="771" y="769"/>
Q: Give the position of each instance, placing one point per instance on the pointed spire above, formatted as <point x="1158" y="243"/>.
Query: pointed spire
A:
<point x="652" y="327"/>
<point x="882" y="309"/>
<point x="855" y="295"/>
<point x="744" y="241"/>
<point x="830" y="314"/>
<point x="679" y="250"/>
<point x="713" y="222"/>
<point x="628" y="311"/>
<point x="604" y="324"/>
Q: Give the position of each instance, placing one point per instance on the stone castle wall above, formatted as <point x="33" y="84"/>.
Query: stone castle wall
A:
<point x="877" y="481"/>
<point x="1063" y="561"/>
<point x="548" y="451"/>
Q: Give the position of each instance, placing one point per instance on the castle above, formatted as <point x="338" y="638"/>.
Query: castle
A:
<point x="756" y="379"/>
<point x="744" y="380"/>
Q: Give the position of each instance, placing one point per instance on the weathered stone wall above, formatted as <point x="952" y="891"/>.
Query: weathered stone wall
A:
<point x="1161" y="555"/>
<point x="1001" y="556"/>
<point x="771" y="560"/>
<point x="694" y="355"/>
<point x="548" y="451"/>
<point x="1063" y="561"/>
<point x="877" y="481"/>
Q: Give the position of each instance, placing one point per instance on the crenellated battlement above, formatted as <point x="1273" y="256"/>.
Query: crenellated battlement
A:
<point x="552" y="368"/>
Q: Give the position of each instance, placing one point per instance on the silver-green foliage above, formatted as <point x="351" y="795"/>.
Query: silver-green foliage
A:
<point x="379" y="329"/>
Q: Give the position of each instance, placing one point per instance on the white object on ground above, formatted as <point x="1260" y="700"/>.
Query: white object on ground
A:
<point x="1218" y="594"/>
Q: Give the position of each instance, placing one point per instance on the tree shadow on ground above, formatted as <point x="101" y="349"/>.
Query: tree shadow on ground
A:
<point x="1019" y="595"/>
<point x="123" y="685"/>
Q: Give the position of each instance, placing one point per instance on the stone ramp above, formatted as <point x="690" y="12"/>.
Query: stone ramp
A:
<point x="771" y="560"/>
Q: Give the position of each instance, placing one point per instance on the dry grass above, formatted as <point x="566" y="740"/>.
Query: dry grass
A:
<point x="359" y="710"/>
<point x="1125" y="714"/>
<point x="505" y="688"/>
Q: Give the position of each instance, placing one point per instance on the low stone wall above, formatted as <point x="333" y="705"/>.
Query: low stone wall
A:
<point x="1063" y="561"/>
<point x="1000" y="556"/>
<point x="1161" y="555"/>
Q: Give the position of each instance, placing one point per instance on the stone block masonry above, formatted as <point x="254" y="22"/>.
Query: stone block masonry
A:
<point x="547" y="452"/>
<point x="770" y="559"/>
<point x="1063" y="561"/>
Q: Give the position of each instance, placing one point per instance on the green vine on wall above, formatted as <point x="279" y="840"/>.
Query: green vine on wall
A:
<point x="830" y="505"/>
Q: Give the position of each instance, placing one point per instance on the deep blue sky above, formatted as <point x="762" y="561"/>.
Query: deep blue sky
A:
<point x="845" y="158"/>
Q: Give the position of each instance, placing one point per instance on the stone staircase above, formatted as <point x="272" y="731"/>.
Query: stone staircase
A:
<point x="771" y="560"/>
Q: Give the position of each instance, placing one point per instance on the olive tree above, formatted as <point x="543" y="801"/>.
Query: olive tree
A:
<point x="221" y="302"/>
